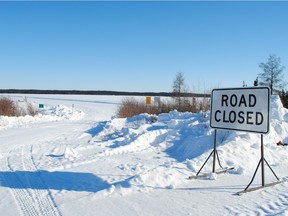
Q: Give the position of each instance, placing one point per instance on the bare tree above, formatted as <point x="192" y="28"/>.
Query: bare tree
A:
<point x="180" y="91"/>
<point x="272" y="75"/>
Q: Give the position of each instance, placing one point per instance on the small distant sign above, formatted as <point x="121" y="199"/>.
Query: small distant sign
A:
<point x="243" y="109"/>
<point x="148" y="100"/>
<point x="41" y="106"/>
<point x="157" y="100"/>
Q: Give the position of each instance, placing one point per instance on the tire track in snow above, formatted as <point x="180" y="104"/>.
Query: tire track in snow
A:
<point x="22" y="197"/>
<point x="43" y="198"/>
<point x="31" y="201"/>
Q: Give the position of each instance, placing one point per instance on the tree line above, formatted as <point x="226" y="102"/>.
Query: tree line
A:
<point x="272" y="76"/>
<point x="91" y="92"/>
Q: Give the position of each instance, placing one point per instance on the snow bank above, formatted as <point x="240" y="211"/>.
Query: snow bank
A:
<point x="62" y="112"/>
<point x="51" y="113"/>
<point x="188" y="139"/>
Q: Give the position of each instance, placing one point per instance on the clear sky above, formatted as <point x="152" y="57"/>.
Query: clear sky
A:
<point x="138" y="46"/>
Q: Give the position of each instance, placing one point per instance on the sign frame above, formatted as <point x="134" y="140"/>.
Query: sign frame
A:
<point x="265" y="92"/>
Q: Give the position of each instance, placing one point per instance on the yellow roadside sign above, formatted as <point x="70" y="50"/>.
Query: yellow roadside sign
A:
<point x="148" y="100"/>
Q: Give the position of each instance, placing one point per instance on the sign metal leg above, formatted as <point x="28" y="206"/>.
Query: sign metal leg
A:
<point x="215" y="157"/>
<point x="262" y="161"/>
<point x="214" y="152"/>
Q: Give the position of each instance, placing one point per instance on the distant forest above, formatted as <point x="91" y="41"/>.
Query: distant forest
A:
<point x="90" y="92"/>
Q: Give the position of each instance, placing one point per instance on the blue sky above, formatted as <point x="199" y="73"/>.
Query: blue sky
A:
<point x="138" y="46"/>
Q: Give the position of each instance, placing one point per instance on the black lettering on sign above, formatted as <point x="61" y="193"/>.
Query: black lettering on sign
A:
<point x="224" y="119"/>
<point x="249" y="117"/>
<point x="233" y="100"/>
<point x="259" y="118"/>
<point x="242" y="101"/>
<point x="217" y="119"/>
<point x="252" y="100"/>
<point x="241" y="119"/>
<point x="224" y="100"/>
<point x="232" y="116"/>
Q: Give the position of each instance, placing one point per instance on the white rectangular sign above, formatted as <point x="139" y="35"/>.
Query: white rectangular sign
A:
<point x="243" y="109"/>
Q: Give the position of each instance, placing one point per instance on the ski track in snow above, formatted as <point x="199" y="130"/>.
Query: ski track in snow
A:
<point x="30" y="201"/>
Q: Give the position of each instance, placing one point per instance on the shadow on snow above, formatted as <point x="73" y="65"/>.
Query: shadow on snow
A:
<point x="96" y="130"/>
<point x="43" y="180"/>
<point x="189" y="144"/>
<point x="189" y="147"/>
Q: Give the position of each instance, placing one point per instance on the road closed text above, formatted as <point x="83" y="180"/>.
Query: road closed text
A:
<point x="245" y="109"/>
<point x="241" y="117"/>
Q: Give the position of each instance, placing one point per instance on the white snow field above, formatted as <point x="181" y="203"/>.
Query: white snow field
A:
<point x="77" y="158"/>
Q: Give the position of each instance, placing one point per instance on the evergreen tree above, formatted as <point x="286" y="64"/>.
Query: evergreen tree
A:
<point x="272" y="75"/>
<point x="284" y="98"/>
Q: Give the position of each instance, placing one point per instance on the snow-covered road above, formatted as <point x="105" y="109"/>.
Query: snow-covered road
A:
<point x="78" y="159"/>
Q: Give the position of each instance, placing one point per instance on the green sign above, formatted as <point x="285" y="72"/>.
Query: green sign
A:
<point x="41" y="105"/>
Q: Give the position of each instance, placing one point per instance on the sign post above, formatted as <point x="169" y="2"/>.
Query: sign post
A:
<point x="215" y="155"/>
<point x="243" y="109"/>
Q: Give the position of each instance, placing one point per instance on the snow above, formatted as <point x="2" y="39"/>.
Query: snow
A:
<point x="77" y="158"/>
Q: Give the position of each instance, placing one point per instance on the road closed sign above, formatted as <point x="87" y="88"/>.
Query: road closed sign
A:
<point x="243" y="109"/>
